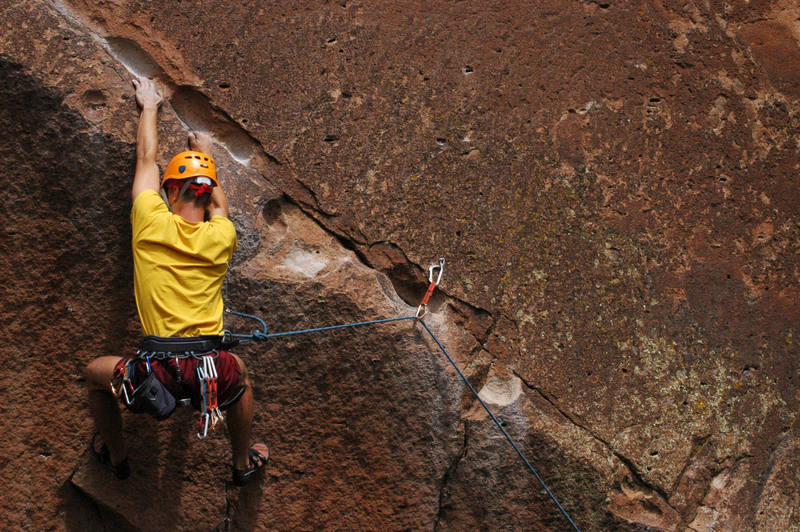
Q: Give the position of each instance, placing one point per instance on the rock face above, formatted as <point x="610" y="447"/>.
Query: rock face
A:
<point x="616" y="189"/>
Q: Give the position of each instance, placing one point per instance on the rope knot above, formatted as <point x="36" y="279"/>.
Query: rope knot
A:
<point x="261" y="336"/>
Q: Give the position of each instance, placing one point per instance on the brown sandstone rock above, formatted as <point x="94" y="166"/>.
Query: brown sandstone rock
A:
<point x="614" y="185"/>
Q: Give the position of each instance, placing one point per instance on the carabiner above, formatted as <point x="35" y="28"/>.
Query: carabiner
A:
<point x="440" y="266"/>
<point x="204" y="426"/>
<point x="125" y="392"/>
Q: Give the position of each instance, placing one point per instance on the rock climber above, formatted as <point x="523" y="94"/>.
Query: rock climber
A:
<point x="182" y="244"/>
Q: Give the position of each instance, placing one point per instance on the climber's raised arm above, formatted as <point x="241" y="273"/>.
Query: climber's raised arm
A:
<point x="148" y="96"/>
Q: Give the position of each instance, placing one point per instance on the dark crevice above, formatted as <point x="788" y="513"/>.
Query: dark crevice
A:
<point x="633" y="470"/>
<point x="408" y="279"/>
<point x="697" y="445"/>
<point x="197" y="111"/>
<point x="446" y="478"/>
<point x="311" y="202"/>
<point x="192" y="107"/>
<point x="410" y="291"/>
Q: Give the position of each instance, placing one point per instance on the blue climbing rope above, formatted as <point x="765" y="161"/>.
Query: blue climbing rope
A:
<point x="499" y="425"/>
<point x="419" y="316"/>
<point x="263" y="335"/>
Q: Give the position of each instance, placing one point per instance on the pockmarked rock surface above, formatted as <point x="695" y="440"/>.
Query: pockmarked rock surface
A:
<point x="615" y="186"/>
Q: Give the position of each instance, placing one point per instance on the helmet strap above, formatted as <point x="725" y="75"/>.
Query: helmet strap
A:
<point x="184" y="188"/>
<point x="188" y="184"/>
<point x="165" y="197"/>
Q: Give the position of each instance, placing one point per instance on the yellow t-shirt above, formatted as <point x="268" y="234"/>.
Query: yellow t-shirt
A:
<point x="178" y="269"/>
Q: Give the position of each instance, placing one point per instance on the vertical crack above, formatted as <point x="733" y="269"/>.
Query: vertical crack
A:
<point x="443" y="484"/>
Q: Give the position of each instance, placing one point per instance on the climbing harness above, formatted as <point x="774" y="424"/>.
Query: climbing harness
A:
<point x="231" y="339"/>
<point x="170" y="350"/>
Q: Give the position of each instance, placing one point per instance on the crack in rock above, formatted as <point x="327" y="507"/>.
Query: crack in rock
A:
<point x="446" y="478"/>
<point x="193" y="108"/>
<point x="196" y="111"/>
<point x="631" y="467"/>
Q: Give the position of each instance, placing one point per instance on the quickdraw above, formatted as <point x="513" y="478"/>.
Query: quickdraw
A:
<point x="263" y="335"/>
<point x="422" y="309"/>
<point x="210" y="414"/>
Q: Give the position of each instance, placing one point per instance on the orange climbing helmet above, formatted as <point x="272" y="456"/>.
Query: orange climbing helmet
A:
<point x="189" y="164"/>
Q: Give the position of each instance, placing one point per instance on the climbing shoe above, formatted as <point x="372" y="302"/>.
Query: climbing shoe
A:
<point x="122" y="470"/>
<point x="258" y="455"/>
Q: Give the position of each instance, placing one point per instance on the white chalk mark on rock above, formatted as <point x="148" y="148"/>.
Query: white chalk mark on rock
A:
<point x="501" y="392"/>
<point x="304" y="262"/>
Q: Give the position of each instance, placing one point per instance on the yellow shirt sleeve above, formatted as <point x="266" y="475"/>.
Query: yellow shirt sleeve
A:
<point x="148" y="208"/>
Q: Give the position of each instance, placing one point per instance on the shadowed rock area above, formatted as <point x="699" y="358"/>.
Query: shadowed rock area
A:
<point x="615" y="186"/>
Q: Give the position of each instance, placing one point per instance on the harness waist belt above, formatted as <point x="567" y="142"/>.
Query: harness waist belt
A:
<point x="180" y="344"/>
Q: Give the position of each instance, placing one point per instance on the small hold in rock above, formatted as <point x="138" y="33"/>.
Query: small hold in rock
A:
<point x="224" y="85"/>
<point x="440" y="141"/>
<point x="94" y="98"/>
<point x="331" y="138"/>
<point x="468" y="70"/>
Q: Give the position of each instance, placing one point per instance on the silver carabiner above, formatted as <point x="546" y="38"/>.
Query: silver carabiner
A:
<point x="125" y="393"/>
<point x="440" y="266"/>
<point x="204" y="426"/>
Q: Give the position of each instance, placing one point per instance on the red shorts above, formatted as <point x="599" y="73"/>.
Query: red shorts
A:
<point x="183" y="382"/>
